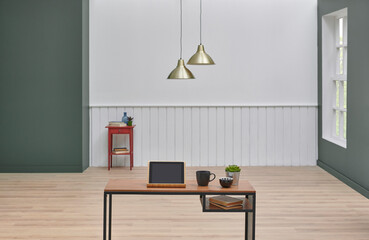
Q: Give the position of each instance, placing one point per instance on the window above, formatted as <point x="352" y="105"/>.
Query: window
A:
<point x="334" y="77"/>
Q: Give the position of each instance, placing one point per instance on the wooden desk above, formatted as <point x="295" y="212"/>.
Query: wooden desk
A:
<point x="244" y="189"/>
<point x="120" y="130"/>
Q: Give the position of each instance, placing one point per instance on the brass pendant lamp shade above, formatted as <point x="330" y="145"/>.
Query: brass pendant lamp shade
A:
<point x="181" y="72"/>
<point x="201" y="57"/>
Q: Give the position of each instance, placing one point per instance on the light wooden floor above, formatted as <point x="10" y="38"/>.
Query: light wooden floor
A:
<point x="303" y="203"/>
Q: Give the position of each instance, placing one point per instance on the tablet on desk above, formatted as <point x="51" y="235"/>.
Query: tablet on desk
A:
<point x="166" y="174"/>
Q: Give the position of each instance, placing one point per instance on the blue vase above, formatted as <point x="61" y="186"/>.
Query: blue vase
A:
<point x="125" y="118"/>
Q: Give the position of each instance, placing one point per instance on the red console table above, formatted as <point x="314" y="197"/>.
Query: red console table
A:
<point x="120" y="130"/>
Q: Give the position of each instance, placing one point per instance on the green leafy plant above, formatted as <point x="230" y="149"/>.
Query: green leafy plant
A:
<point x="233" y="168"/>
<point x="129" y="121"/>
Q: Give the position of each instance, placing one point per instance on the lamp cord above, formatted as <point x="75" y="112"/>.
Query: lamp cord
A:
<point x="181" y="29"/>
<point x="200" y="21"/>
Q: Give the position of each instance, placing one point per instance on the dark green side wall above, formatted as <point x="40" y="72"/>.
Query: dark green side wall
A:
<point x="44" y="118"/>
<point x="351" y="165"/>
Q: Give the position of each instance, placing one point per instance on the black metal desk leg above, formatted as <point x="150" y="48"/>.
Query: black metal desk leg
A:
<point x="203" y="202"/>
<point x="246" y="226"/>
<point x="250" y="219"/>
<point x="254" y="217"/>
<point x="110" y="206"/>
<point x="246" y="221"/>
<point x="104" y="218"/>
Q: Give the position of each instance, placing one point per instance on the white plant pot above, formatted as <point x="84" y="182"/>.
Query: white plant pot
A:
<point x="235" y="176"/>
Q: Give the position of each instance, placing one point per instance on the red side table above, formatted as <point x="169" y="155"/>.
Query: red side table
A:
<point x="120" y="130"/>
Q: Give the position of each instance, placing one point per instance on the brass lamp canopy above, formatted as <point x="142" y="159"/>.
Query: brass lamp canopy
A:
<point x="200" y="57"/>
<point x="181" y="72"/>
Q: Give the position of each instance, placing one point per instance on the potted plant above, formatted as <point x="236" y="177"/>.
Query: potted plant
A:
<point x="130" y="119"/>
<point x="233" y="171"/>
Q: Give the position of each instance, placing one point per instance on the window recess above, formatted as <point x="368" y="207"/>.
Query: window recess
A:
<point x="334" y="77"/>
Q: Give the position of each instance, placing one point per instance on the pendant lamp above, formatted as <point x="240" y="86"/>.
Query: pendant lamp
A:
<point x="181" y="72"/>
<point x="200" y="57"/>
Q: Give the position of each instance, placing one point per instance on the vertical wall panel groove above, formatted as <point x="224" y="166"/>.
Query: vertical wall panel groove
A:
<point x="162" y="133"/>
<point x="245" y="136"/>
<point x="262" y="137"/>
<point x="154" y="133"/>
<point x="228" y="135"/>
<point x="145" y="121"/>
<point x="237" y="136"/>
<point x="254" y="136"/>
<point x="204" y="137"/>
<point x="137" y="139"/>
<point x="211" y="136"/>
<point x="295" y="135"/>
<point x="270" y="130"/>
<point x="279" y="136"/>
<point x="304" y="135"/>
<point x="187" y="136"/>
<point x="220" y="137"/>
<point x="195" y="136"/>
<point x="287" y="142"/>
<point x="179" y="134"/>
<point x="170" y="134"/>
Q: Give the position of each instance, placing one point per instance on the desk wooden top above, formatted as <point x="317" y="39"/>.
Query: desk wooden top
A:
<point x="139" y="186"/>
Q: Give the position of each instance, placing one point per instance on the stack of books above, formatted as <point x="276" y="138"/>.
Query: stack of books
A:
<point x="226" y="202"/>
<point x="117" y="124"/>
<point x="120" y="150"/>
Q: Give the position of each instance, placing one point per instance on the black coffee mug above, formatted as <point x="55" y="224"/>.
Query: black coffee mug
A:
<point x="203" y="177"/>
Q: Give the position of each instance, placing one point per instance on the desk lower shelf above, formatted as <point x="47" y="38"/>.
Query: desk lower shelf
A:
<point x="246" y="206"/>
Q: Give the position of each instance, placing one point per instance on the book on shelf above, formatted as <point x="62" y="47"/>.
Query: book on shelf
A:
<point x="225" y="201"/>
<point x="227" y="207"/>
<point x="119" y="152"/>
<point x="121" y="149"/>
<point x="117" y="124"/>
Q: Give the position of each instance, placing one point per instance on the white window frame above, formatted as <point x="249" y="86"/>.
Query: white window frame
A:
<point x="330" y="75"/>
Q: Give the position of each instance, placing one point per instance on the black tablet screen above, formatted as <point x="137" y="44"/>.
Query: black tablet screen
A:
<point x="166" y="172"/>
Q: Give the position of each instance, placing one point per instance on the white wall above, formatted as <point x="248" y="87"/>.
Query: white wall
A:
<point x="265" y="52"/>
<point x="211" y="136"/>
<point x="256" y="106"/>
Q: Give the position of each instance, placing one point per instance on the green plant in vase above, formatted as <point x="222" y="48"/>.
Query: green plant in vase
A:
<point x="233" y="168"/>
<point x="233" y="171"/>
<point x="130" y="120"/>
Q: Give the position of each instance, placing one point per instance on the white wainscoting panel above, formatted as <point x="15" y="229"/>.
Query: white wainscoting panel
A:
<point x="210" y="135"/>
